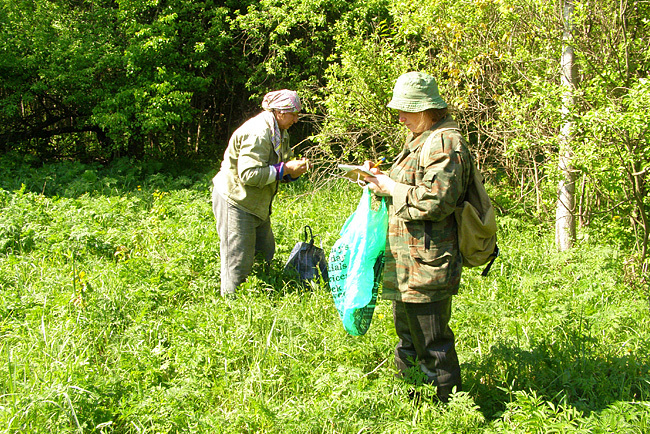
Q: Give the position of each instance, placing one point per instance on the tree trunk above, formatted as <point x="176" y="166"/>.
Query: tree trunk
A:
<point x="565" y="226"/>
<point x="637" y="177"/>
<point x="538" y="190"/>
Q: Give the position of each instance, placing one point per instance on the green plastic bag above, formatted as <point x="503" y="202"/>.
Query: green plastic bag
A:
<point x="355" y="264"/>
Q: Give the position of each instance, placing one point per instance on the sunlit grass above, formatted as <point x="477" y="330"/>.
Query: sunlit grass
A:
<point x="111" y="321"/>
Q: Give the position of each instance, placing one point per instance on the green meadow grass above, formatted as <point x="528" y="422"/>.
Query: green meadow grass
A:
<point x="111" y="322"/>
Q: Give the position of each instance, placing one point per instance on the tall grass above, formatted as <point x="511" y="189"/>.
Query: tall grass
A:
<point x="111" y="322"/>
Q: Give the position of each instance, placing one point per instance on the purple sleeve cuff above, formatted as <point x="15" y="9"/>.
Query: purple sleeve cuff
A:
<point x="279" y="168"/>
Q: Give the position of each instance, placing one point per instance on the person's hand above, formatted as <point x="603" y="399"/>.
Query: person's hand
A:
<point x="295" y="168"/>
<point x="380" y="184"/>
<point x="371" y="167"/>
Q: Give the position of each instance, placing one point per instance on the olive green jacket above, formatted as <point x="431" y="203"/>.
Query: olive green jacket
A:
<point x="246" y="178"/>
<point x="423" y="262"/>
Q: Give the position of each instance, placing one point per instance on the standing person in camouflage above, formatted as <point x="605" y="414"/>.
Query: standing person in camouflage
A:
<point x="423" y="262"/>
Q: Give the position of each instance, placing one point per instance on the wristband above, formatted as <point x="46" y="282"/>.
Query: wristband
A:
<point x="289" y="178"/>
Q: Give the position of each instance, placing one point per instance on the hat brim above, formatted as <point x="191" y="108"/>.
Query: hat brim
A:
<point x="415" y="106"/>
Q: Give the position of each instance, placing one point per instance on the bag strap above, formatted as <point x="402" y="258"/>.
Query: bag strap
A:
<point x="309" y="237"/>
<point x="428" y="226"/>
<point x="493" y="255"/>
<point x="423" y="152"/>
<point x="427" y="144"/>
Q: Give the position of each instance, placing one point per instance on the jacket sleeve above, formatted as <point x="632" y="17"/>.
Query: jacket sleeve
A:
<point x="442" y="184"/>
<point x="253" y="165"/>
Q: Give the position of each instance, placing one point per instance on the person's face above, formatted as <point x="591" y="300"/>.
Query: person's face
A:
<point x="416" y="122"/>
<point x="285" y="120"/>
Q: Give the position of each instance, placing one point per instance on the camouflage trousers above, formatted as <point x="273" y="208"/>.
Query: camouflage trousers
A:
<point x="426" y="351"/>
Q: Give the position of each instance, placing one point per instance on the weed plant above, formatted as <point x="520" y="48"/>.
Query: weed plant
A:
<point x="111" y="322"/>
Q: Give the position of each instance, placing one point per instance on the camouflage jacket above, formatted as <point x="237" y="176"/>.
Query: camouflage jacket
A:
<point x="423" y="263"/>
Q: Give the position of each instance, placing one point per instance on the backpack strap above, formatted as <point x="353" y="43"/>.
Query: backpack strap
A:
<point x="424" y="151"/>
<point x="494" y="255"/>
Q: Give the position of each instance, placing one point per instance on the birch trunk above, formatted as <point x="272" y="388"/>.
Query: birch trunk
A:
<point x="565" y="226"/>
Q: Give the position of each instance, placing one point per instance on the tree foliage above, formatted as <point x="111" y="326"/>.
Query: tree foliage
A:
<point x="173" y="78"/>
<point x="497" y="62"/>
<point x="158" y="78"/>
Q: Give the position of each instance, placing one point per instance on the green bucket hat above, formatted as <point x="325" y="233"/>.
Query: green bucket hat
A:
<point x="415" y="92"/>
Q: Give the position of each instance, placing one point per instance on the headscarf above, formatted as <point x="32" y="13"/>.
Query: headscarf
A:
<point x="283" y="101"/>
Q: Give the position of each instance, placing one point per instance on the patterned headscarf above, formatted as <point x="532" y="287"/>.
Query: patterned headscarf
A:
<point x="283" y="101"/>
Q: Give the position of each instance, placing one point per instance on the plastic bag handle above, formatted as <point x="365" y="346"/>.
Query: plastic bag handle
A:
<point x="368" y="196"/>
<point x="365" y="203"/>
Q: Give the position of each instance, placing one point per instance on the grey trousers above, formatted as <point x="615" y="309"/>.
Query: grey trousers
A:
<point x="242" y="235"/>
<point x="427" y="344"/>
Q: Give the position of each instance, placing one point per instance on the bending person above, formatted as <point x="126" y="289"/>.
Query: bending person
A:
<point x="257" y="159"/>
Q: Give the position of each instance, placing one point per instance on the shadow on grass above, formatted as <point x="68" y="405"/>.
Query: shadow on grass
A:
<point x="72" y="179"/>
<point x="588" y="380"/>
